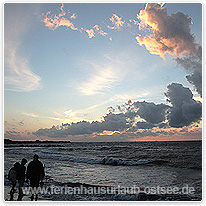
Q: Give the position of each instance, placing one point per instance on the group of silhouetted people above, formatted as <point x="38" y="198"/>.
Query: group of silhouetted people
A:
<point x="19" y="173"/>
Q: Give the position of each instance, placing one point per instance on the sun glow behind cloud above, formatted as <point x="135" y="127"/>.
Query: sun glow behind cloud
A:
<point x="168" y="33"/>
<point x="105" y="74"/>
<point x="103" y="79"/>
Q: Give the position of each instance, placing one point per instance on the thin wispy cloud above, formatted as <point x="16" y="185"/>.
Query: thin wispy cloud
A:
<point x="19" y="76"/>
<point x="125" y="96"/>
<point x="71" y="115"/>
<point x="18" y="72"/>
<point x="97" y="83"/>
<point x="30" y="114"/>
<point x="105" y="74"/>
<point x="43" y="117"/>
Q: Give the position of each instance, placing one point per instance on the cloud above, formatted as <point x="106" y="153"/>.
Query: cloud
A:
<point x="102" y="80"/>
<point x="55" y="21"/>
<point x="185" y="110"/>
<point x="73" y="16"/>
<point x="105" y="74"/>
<point x="43" y="117"/>
<point x="169" y="33"/>
<point x="193" y="64"/>
<point x="144" y="125"/>
<point x="125" y="96"/>
<point x="84" y="113"/>
<point x="12" y="134"/>
<point x="18" y="73"/>
<point x="13" y="124"/>
<point x="182" y="111"/>
<point x="151" y="112"/>
<point x="77" y="115"/>
<point x="171" y="134"/>
<point x="99" y="30"/>
<point x="116" y="21"/>
<point x="111" y="122"/>
<point x="90" y="33"/>
<point x="19" y="76"/>
<point x="30" y="114"/>
<point x="139" y="118"/>
<point x="17" y="135"/>
<point x="95" y="29"/>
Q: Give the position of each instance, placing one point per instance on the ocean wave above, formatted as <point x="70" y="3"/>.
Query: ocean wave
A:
<point x="104" y="161"/>
<point x="117" y="162"/>
<point x="108" y="161"/>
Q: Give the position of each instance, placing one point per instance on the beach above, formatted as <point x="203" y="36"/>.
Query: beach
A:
<point x="115" y="165"/>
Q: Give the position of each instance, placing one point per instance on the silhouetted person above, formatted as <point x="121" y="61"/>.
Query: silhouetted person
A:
<point x="12" y="176"/>
<point x="21" y="173"/>
<point x="35" y="173"/>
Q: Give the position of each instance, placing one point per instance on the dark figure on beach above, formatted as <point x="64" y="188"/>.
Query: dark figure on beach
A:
<point x="21" y="173"/>
<point x="35" y="173"/>
<point x="12" y="176"/>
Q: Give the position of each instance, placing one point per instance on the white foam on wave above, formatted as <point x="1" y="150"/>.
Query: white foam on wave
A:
<point x="105" y="161"/>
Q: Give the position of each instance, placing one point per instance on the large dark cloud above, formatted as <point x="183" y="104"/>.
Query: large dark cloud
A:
<point x="193" y="64"/>
<point x="151" y="112"/>
<point x="185" y="109"/>
<point x="111" y="122"/>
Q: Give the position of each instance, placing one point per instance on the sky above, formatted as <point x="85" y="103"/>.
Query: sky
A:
<point x="103" y="72"/>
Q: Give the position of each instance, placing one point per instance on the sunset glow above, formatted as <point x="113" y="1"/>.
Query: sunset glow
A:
<point x="103" y="72"/>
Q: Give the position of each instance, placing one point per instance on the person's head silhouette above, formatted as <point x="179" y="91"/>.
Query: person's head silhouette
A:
<point x="23" y="161"/>
<point x="16" y="165"/>
<point x="36" y="157"/>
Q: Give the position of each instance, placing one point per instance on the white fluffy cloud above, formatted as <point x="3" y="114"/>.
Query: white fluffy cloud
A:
<point x="169" y="33"/>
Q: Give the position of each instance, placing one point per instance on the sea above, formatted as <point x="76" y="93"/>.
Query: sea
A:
<point x="119" y="165"/>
